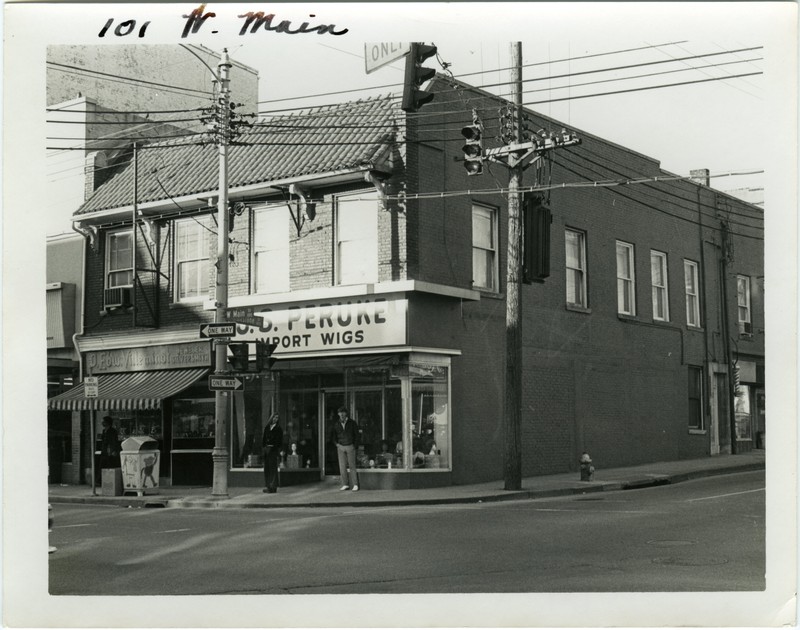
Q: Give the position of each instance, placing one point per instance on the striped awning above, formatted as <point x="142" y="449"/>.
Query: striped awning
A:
<point x="128" y="390"/>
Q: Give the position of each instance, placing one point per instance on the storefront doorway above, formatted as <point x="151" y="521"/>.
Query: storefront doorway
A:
<point x="366" y="407"/>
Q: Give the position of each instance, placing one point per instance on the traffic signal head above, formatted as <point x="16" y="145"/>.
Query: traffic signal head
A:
<point x="536" y="220"/>
<point x="264" y="358"/>
<point x="238" y="356"/>
<point x="416" y="75"/>
<point x="473" y="148"/>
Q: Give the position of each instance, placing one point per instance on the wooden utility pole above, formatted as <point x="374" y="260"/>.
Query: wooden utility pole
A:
<point x="512" y="416"/>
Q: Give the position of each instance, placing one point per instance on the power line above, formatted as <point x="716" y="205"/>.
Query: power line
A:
<point x="120" y="78"/>
<point x="625" y="67"/>
<point x="642" y="89"/>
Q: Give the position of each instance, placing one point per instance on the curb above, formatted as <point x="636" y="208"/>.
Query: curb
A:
<point x="649" y="481"/>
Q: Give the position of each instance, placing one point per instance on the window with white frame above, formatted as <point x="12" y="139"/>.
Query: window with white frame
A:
<point x="357" y="238"/>
<point x="626" y="280"/>
<point x="743" y="301"/>
<point x="660" y="285"/>
<point x="192" y="259"/>
<point x="119" y="259"/>
<point x="484" y="248"/>
<point x="575" y="246"/>
<point x="691" y="282"/>
<point x="271" y="250"/>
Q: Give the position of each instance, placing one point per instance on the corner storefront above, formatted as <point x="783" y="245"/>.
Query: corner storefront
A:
<point x="351" y="352"/>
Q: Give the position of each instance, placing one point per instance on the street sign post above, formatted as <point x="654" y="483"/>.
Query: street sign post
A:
<point x="221" y="383"/>
<point x="379" y="54"/>
<point x="91" y="387"/>
<point x="210" y="331"/>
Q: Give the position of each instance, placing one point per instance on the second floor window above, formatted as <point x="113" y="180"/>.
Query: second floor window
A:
<point x="271" y="250"/>
<point x="119" y="259"/>
<point x="626" y="281"/>
<point x="357" y="238"/>
<point x="484" y="248"/>
<point x="658" y="279"/>
<point x="575" y="245"/>
<point x="691" y="281"/>
<point x="743" y="301"/>
<point x="192" y="259"/>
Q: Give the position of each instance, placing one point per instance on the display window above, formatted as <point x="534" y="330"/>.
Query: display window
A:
<point x="144" y="422"/>
<point x="429" y="417"/>
<point x="401" y="408"/>
<point x="743" y="411"/>
<point x="251" y="410"/>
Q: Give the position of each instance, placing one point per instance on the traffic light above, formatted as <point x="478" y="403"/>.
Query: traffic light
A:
<point x="536" y="220"/>
<point x="264" y="358"/>
<point x="416" y="75"/>
<point x="239" y="355"/>
<point x="473" y="149"/>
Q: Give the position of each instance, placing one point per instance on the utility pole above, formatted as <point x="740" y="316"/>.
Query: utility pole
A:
<point x="512" y="459"/>
<point x="219" y="454"/>
<point x="517" y="156"/>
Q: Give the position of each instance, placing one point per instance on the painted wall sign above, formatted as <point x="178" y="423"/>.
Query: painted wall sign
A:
<point x="168" y="357"/>
<point x="351" y="324"/>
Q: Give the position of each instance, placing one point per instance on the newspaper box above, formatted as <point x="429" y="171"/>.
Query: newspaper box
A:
<point x="140" y="457"/>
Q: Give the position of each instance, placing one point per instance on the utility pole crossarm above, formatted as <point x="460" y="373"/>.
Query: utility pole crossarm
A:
<point x="522" y="153"/>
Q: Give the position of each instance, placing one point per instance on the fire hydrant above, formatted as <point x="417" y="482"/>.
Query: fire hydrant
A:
<point x="587" y="470"/>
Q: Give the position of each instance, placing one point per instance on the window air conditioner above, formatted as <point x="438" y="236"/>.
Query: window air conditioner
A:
<point x="745" y="328"/>
<point x="117" y="297"/>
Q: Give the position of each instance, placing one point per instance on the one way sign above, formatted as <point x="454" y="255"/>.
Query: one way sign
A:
<point x="210" y="331"/>
<point x="218" y="383"/>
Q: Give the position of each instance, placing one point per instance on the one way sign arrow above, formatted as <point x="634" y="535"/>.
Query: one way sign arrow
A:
<point x="210" y="331"/>
<point x="218" y="383"/>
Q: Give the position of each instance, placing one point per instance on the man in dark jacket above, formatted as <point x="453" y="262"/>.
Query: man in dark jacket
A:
<point x="345" y="436"/>
<point x="109" y="445"/>
<point x="271" y="442"/>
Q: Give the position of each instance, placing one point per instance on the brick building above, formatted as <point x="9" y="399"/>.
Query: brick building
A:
<point x="377" y="266"/>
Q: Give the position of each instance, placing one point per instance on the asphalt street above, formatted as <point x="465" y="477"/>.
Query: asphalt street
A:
<point x="702" y="535"/>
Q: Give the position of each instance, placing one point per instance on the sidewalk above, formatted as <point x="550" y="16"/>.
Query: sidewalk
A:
<point x="327" y="494"/>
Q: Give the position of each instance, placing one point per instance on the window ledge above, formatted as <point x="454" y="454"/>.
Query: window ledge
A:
<point x="698" y="432"/>
<point x="626" y="317"/>
<point x="578" y="309"/>
<point x="488" y="293"/>
<point x="694" y="328"/>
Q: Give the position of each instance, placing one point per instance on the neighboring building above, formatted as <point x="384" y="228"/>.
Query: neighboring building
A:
<point x="64" y="299"/>
<point x="378" y="265"/>
<point x="100" y="99"/>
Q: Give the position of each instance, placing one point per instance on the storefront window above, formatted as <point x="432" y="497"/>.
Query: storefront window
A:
<point x="250" y="411"/>
<point x="429" y="416"/>
<point x="742" y="409"/>
<point x="135" y="423"/>
<point x="300" y="422"/>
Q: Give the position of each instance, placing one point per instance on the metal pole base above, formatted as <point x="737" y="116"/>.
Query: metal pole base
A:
<point x="220" y="484"/>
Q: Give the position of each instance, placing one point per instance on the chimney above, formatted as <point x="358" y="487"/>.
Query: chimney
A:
<point x="700" y="176"/>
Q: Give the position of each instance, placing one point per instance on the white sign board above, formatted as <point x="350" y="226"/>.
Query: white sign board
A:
<point x="379" y="54"/>
<point x="341" y="325"/>
<point x="90" y="386"/>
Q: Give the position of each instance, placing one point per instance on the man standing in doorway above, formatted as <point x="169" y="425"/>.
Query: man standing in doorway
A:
<point x="345" y="436"/>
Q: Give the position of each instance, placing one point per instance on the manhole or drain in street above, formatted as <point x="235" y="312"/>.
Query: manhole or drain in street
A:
<point x="671" y="543"/>
<point x="690" y="562"/>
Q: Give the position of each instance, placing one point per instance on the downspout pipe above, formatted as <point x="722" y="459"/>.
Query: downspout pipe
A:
<point x="87" y="235"/>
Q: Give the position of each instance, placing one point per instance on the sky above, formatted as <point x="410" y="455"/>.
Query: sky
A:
<point x="569" y="51"/>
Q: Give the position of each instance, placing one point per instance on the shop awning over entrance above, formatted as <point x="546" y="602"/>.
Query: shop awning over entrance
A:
<point x="128" y="390"/>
